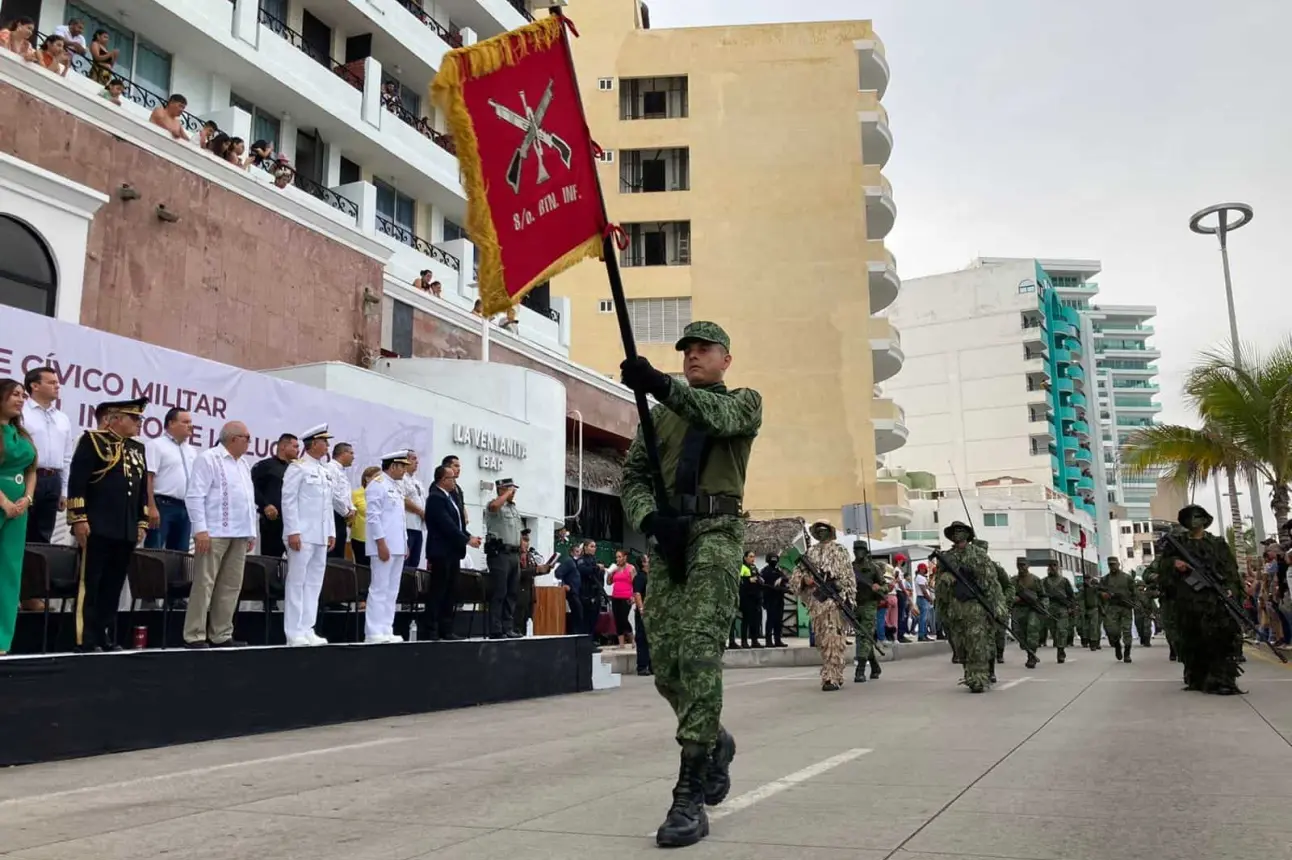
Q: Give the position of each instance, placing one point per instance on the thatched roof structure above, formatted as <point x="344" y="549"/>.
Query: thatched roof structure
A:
<point x="602" y="470"/>
<point x="764" y="536"/>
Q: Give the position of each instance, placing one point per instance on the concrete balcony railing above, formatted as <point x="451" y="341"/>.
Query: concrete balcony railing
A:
<point x="881" y="208"/>
<point x="872" y="66"/>
<point x="886" y="352"/>
<point x="882" y="279"/>
<point x="876" y="137"/>
<point x="891" y="431"/>
<point x="892" y="501"/>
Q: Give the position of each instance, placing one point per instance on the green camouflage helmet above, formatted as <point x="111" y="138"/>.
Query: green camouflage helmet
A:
<point x="701" y="330"/>
<point x="980" y="543"/>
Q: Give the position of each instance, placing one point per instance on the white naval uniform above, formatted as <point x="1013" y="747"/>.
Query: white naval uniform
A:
<point x="385" y="520"/>
<point x="307" y="511"/>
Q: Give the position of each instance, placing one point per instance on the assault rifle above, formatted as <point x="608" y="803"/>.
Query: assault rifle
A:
<point x="824" y="589"/>
<point x="1032" y="602"/>
<point x="966" y="589"/>
<point x="1199" y="578"/>
<point x="1117" y="599"/>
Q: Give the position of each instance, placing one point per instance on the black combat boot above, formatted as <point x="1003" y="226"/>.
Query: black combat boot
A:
<point x="874" y="667"/>
<point x="991" y="673"/>
<point x="1117" y="648"/>
<point x="1126" y="652"/>
<point x="1171" y="655"/>
<point x="1031" y="660"/>
<point x="1000" y="655"/>
<point x="686" y="822"/>
<point x="859" y="676"/>
<point x="829" y="686"/>
<point x="1063" y="655"/>
<point x="717" y="776"/>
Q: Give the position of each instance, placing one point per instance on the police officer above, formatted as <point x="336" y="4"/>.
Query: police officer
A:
<point x="108" y="512"/>
<point x="387" y="546"/>
<point x="502" y="554"/>
<point x="310" y="532"/>
<point x="706" y="432"/>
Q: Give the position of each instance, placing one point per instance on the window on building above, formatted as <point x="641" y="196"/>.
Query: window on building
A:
<point x="605" y="84"/>
<point x="653" y="98"/>
<point x="264" y="126"/>
<point x="145" y="64"/>
<point x="606" y="156"/>
<point x="398" y="211"/>
<point x="401" y="329"/>
<point x="657" y="243"/>
<point x="993" y="521"/>
<point x="659" y="320"/>
<point x="350" y="171"/>
<point x="28" y="280"/>
<point x="452" y="232"/>
<point x="605" y="306"/>
<point x="646" y="170"/>
<point x="1027" y="286"/>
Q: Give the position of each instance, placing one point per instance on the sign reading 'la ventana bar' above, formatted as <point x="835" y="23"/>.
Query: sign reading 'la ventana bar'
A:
<point x="494" y="446"/>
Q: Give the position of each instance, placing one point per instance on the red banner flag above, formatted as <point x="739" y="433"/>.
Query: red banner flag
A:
<point x="533" y="201"/>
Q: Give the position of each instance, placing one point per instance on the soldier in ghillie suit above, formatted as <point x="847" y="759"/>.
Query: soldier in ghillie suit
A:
<point x="1208" y="640"/>
<point x="706" y="432"/>
<point x="830" y="560"/>
<point x="870" y="589"/>
<point x="1002" y="611"/>
<point x="1117" y="592"/>
<point x="973" y="627"/>
<point x="1059" y="593"/>
<point x="1028" y="611"/>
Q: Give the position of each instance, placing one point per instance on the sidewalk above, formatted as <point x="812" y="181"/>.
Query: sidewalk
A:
<point x="624" y="659"/>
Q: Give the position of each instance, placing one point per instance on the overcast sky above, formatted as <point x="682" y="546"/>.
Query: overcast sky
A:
<point x="1090" y="130"/>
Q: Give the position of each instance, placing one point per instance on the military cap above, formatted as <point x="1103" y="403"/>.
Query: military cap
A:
<point x="822" y="530"/>
<point x="1188" y="511"/>
<point x="860" y="544"/>
<point x="708" y="332"/>
<point x="320" y="432"/>
<point x="957" y="525"/>
<point x="1021" y="560"/>
<point x="506" y="484"/>
<point x="125" y="407"/>
<point x="400" y="456"/>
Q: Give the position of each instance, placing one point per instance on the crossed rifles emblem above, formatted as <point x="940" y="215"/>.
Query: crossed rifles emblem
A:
<point x="536" y="137"/>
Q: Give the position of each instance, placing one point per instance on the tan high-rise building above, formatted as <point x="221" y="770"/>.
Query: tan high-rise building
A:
<point x="744" y="164"/>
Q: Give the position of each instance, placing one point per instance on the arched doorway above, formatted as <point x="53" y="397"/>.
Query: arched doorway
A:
<point x="28" y="279"/>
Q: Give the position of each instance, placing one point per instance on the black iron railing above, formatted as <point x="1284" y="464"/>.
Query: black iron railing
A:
<point x="522" y="7"/>
<point x="297" y="41"/>
<point x="407" y="237"/>
<point x="314" y="189"/>
<point x="422" y="124"/>
<point x="141" y="96"/>
<point x="453" y="40"/>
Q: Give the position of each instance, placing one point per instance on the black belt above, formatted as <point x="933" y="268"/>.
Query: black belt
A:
<point x="170" y="499"/>
<point x="705" y="505"/>
<point x="45" y="473"/>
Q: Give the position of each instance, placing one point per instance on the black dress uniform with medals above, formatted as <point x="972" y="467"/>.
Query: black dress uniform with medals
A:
<point x="106" y="489"/>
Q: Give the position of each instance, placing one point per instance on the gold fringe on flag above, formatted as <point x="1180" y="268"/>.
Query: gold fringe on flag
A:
<point x="467" y="64"/>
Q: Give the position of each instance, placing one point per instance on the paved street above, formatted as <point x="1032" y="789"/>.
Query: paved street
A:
<point x="1093" y="759"/>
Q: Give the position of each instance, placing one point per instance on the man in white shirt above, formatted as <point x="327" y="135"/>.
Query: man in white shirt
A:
<point x="342" y="501"/>
<point x="73" y="33"/>
<point x="387" y="545"/>
<point x="55" y="440"/>
<point x="221" y="504"/>
<point x="310" y="532"/>
<point x="170" y="464"/>
<point x="414" y="515"/>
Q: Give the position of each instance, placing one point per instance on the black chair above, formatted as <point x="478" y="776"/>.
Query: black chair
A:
<point x="49" y="572"/>
<point x="159" y="574"/>
<point x="262" y="580"/>
<point x="413" y="589"/>
<point x="473" y="587"/>
<point x="345" y="582"/>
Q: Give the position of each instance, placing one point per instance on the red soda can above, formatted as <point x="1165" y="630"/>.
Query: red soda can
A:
<point x="141" y="638"/>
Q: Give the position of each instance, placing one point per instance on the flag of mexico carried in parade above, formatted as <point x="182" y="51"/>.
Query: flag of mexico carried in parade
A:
<point x="534" y="205"/>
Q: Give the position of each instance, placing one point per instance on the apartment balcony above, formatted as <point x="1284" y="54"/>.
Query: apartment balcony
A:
<point x="876" y="137"/>
<point x="1081" y="428"/>
<point x="1134" y="386"/>
<point x="1062" y="383"/>
<point x="1033" y="342"/>
<point x="1078" y="400"/>
<point x="1145" y="372"/>
<point x="1038" y="373"/>
<point x="883" y="280"/>
<point x="1056" y="465"/>
<point x="1040" y="438"/>
<point x="1083" y="458"/>
<point x="1148" y="353"/>
<point x="1140" y="409"/>
<point x="1061" y="356"/>
<point x="1116" y="329"/>
<point x="872" y="66"/>
<point x="1086" y="486"/>
<point x="892" y="503"/>
<point x="885" y="349"/>
<point x="889" y="420"/>
<point x="881" y="211"/>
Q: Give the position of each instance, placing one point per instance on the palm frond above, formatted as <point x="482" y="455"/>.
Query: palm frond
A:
<point x="1184" y="456"/>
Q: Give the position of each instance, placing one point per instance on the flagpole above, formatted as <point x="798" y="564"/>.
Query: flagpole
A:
<point x="610" y="256"/>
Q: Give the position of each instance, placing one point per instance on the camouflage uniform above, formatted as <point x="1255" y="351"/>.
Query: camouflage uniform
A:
<point x="1208" y="640"/>
<point x="1165" y="608"/>
<point x="1144" y="613"/>
<point x="1026" y="621"/>
<point x="973" y="628"/>
<point x="828" y="626"/>
<point x="689" y="611"/>
<point x="1118" y="594"/>
<point x="865" y="573"/>
<point x="1007" y="598"/>
<point x="1059" y="593"/>
<point x="943" y="597"/>
<point x="1091" y="636"/>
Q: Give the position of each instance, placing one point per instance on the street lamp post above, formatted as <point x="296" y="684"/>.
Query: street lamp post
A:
<point x="1230" y="217"/>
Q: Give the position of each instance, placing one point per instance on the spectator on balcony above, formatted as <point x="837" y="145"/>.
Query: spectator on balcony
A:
<point x="261" y="152"/>
<point x="103" y="60"/>
<point x="283" y="171"/>
<point x="16" y="36"/>
<point x="112" y="92"/>
<point x="478" y="308"/>
<point x="509" y="322"/>
<point x="423" y="280"/>
<point x="209" y="130"/>
<point x="436" y="289"/>
<point x="218" y="145"/>
<point x="167" y="116"/>
<point x="236" y="153"/>
<point x="53" y="55"/>
<point x="390" y="96"/>
<point x="73" y="33"/>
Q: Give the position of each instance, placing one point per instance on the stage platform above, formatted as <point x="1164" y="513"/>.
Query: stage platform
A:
<point x="61" y="706"/>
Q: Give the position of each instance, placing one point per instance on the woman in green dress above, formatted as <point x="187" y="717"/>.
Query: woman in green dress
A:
<point x="17" y="484"/>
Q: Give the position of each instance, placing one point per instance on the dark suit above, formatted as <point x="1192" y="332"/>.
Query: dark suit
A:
<point x="446" y="546"/>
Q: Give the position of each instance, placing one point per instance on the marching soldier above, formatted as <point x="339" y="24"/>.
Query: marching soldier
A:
<point x="1166" y="617"/>
<point x="1118" y="593"/>
<point x="387" y="547"/>
<point x="310" y="532"/>
<point x="974" y="629"/>
<point x="1027" y="614"/>
<point x="828" y="626"/>
<point x="870" y="588"/>
<point x="1007" y="592"/>
<point x="706" y="432"/>
<point x="1061" y="597"/>
<point x="1144" y="612"/>
<point x="1091" y="637"/>
<point x="107" y="510"/>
